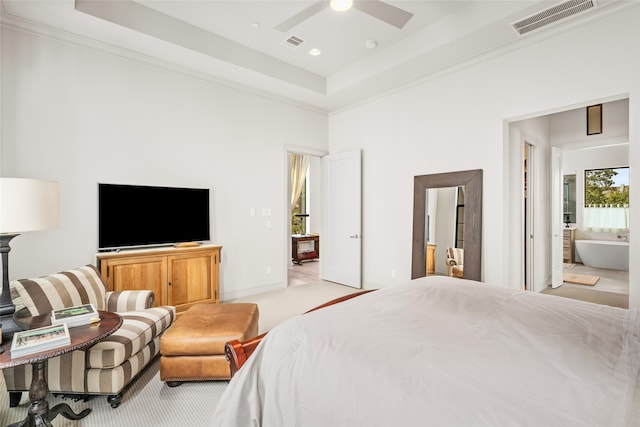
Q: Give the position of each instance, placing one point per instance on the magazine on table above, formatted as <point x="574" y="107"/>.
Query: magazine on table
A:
<point x="39" y="339"/>
<point x="75" y="316"/>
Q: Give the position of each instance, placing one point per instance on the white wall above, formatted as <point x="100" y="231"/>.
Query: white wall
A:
<point x="457" y="122"/>
<point x="82" y="117"/>
<point x="79" y="116"/>
<point x="582" y="152"/>
<point x="568" y="128"/>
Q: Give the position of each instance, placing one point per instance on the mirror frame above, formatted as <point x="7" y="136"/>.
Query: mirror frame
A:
<point x="472" y="181"/>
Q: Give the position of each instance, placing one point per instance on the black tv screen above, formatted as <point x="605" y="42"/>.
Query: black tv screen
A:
<point x="136" y="215"/>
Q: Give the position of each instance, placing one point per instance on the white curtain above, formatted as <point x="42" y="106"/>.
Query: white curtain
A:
<point x="299" y="167"/>
<point x="606" y="218"/>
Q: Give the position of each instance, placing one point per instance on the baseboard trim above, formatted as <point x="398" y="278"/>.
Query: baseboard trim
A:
<point x="241" y="293"/>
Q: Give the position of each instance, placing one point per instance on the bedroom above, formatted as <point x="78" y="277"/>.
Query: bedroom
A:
<point x="81" y="113"/>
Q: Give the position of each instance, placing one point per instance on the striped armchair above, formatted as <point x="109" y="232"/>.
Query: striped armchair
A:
<point x="108" y="366"/>
<point x="455" y="262"/>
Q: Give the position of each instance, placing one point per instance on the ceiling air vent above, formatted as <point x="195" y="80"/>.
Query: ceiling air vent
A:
<point x="553" y="14"/>
<point x="293" y="42"/>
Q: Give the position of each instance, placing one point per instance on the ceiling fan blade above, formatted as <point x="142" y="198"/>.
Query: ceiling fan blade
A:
<point x="302" y="16"/>
<point x="384" y="11"/>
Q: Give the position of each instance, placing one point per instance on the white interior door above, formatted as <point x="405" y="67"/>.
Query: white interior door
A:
<point x="556" y="218"/>
<point x="341" y="248"/>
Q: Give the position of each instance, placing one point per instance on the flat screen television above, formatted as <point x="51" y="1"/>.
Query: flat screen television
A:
<point x="131" y="216"/>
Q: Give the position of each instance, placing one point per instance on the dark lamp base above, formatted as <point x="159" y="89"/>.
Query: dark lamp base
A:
<point x="9" y="327"/>
<point x="7" y="308"/>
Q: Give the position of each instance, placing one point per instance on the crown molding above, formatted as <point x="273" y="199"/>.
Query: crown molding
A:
<point x="47" y="32"/>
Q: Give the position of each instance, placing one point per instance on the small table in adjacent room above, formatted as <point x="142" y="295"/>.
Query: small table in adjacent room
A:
<point x="299" y="253"/>
<point x="81" y="336"/>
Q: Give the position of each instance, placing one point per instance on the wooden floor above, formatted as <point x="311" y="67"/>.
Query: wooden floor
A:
<point x="308" y="272"/>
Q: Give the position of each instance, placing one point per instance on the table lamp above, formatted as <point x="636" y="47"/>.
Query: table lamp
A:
<point x="25" y="205"/>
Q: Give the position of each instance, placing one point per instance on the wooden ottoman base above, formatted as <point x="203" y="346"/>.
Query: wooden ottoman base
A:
<point x="192" y="349"/>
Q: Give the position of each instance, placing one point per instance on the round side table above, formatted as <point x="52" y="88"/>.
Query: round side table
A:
<point x="81" y="336"/>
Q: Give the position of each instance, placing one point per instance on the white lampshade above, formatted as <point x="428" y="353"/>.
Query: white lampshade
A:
<point x="28" y="205"/>
<point x="341" y="5"/>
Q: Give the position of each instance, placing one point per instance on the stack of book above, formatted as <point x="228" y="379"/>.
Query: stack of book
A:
<point x="40" y="339"/>
<point x="75" y="316"/>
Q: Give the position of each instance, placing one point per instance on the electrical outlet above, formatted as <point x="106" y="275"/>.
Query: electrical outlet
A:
<point x="393" y="273"/>
<point x="266" y="212"/>
<point x="268" y="269"/>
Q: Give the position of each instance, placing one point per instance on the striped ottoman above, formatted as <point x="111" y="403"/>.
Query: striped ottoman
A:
<point x="192" y="349"/>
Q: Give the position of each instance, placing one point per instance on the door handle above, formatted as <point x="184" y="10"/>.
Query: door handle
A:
<point x="355" y="236"/>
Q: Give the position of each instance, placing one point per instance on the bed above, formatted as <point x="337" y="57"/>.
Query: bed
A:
<point x="442" y="351"/>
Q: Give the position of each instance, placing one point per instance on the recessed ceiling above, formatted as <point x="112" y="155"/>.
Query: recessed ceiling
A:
<point x="236" y="42"/>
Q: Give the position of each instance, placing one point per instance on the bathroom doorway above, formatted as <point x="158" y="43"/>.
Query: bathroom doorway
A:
<point x="596" y="218"/>
<point x="559" y="135"/>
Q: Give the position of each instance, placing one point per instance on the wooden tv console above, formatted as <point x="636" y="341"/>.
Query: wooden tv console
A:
<point x="181" y="276"/>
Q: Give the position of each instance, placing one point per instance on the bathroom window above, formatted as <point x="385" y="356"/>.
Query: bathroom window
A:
<point x="606" y="199"/>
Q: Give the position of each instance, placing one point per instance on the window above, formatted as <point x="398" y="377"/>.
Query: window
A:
<point x="298" y="192"/>
<point x="299" y="213"/>
<point x="606" y="199"/>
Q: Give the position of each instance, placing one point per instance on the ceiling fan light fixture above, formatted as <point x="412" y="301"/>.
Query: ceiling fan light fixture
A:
<point x="340" y="5"/>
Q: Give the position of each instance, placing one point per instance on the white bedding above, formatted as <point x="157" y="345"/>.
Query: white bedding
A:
<point x="439" y="351"/>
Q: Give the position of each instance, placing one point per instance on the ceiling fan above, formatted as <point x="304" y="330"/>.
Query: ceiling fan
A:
<point x="385" y="12"/>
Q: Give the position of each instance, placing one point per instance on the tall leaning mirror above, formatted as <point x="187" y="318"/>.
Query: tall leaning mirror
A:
<point x="448" y="204"/>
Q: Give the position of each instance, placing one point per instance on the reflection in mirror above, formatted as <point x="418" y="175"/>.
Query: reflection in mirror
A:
<point x="450" y="216"/>
<point x="444" y="226"/>
<point x="569" y="199"/>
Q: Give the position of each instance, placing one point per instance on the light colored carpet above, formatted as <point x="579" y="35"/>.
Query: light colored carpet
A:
<point x="278" y="306"/>
<point x="150" y="402"/>
<point x="147" y="402"/>
<point x="580" y="279"/>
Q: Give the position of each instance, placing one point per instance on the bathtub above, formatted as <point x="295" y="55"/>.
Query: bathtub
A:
<point x="610" y="254"/>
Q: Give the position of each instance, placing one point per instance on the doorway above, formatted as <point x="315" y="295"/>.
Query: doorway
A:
<point x="304" y="216"/>
<point x="334" y="194"/>
<point x="595" y="215"/>
<point x="554" y="135"/>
